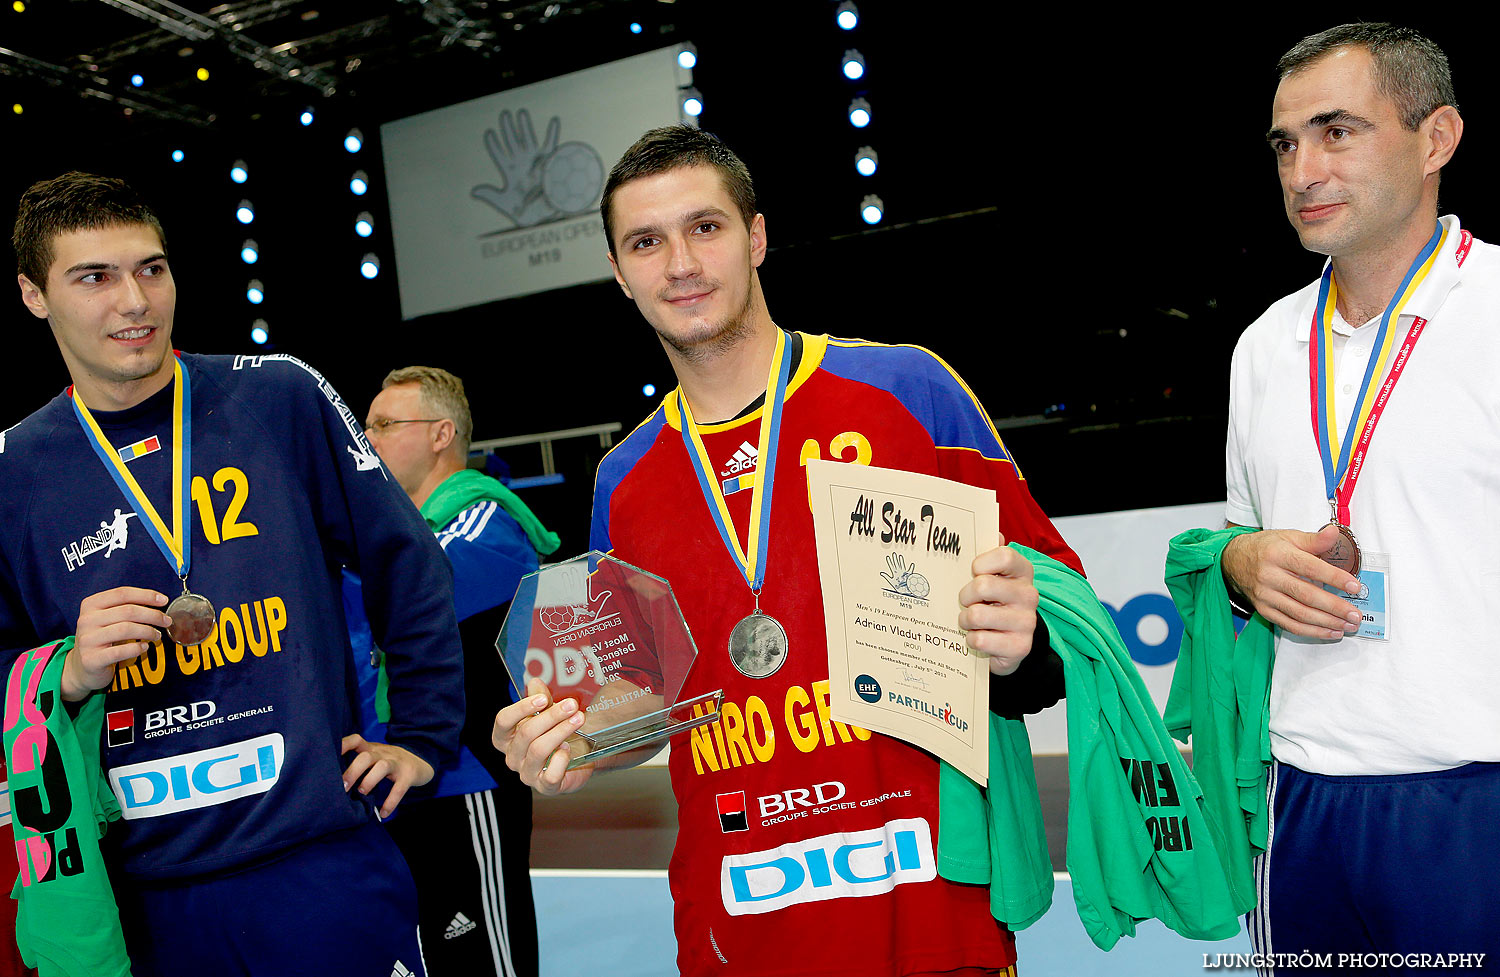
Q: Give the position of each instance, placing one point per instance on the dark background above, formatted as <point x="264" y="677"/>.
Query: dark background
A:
<point x="1081" y="213"/>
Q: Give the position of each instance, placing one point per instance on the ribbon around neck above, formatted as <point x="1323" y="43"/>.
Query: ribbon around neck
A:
<point x="176" y="542"/>
<point x="758" y="539"/>
<point x="1338" y="479"/>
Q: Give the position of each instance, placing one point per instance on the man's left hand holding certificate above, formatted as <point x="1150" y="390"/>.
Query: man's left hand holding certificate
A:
<point x="908" y="563"/>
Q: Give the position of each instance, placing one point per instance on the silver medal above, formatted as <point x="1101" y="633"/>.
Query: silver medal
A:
<point x="193" y="618"/>
<point x="758" y="645"/>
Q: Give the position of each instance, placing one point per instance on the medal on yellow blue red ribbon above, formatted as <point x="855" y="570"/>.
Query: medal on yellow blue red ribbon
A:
<point x="193" y="616"/>
<point x="758" y="643"/>
<point x="1343" y="462"/>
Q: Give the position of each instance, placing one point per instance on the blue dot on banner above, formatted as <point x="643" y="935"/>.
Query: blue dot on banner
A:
<point x="1136" y="610"/>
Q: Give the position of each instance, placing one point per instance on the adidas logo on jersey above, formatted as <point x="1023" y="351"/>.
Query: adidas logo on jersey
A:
<point x="460" y="925"/>
<point x="743" y="460"/>
<point x="401" y="970"/>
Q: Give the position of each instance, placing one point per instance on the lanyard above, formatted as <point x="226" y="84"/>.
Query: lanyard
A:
<point x="1342" y="462"/>
<point x="175" y="543"/>
<point x="759" y="537"/>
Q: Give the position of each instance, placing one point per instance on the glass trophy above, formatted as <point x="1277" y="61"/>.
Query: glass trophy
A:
<point x="611" y="637"/>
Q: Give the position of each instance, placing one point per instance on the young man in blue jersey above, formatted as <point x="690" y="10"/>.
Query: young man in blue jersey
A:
<point x="213" y="628"/>
<point x="467" y="837"/>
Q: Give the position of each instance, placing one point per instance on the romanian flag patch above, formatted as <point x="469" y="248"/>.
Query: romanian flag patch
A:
<point x="147" y="446"/>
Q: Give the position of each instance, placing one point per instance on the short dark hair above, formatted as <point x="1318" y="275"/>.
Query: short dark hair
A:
<point x="72" y="202"/>
<point x="1410" y="70"/>
<point x="670" y="148"/>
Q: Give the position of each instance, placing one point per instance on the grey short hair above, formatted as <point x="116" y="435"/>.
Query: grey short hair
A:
<point x="1410" y="69"/>
<point x="443" y="394"/>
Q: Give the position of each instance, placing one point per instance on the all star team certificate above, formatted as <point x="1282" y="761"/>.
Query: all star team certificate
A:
<point x="894" y="549"/>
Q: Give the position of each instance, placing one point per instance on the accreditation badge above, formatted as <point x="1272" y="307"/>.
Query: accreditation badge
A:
<point x="1374" y="598"/>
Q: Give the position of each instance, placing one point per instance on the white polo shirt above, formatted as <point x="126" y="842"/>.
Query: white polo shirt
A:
<point x="1427" y="698"/>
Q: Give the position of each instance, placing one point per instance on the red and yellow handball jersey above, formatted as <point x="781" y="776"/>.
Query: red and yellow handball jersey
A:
<point x="806" y="846"/>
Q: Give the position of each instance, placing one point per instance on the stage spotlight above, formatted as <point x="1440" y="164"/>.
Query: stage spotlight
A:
<point x="306" y="118"/>
<point x="687" y="56"/>
<point x="871" y="209"/>
<point x="369" y="266"/>
<point x="202" y="74"/>
<point x="137" y="80"/>
<point x="692" y="102"/>
<point x="17" y="108"/>
<point x="847" y="15"/>
<point x="19" y="7"/>
<point x="359" y="184"/>
<point x="239" y="172"/>
<point x="865" y="161"/>
<point x="249" y="252"/>
<point x="649" y="390"/>
<point x="635" y="27"/>
<point x="260" y="332"/>
<point x="255" y="292"/>
<point x="854" y="65"/>
<point x="859" y="113"/>
<point x="245" y="213"/>
<point x="354" y="141"/>
<point x="177" y="156"/>
<point x="364" y="224"/>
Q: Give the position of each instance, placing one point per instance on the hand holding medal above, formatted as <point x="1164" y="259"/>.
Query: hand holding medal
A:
<point x="1282" y="572"/>
<point x="113" y="626"/>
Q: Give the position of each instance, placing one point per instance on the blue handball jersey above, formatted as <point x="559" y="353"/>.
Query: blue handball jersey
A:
<point x="225" y="753"/>
<point x="490" y="553"/>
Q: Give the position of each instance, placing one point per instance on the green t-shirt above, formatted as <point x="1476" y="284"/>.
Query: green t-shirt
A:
<point x="1138" y="842"/>
<point x="67" y="922"/>
<point x="1220" y="694"/>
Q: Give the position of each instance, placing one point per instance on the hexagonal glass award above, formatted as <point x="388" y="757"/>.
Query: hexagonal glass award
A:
<point x="610" y="636"/>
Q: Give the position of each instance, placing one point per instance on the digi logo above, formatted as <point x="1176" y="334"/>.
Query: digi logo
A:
<point x="832" y="866"/>
<point x="732" y="812"/>
<point x="202" y="779"/>
<point x="121" y="727"/>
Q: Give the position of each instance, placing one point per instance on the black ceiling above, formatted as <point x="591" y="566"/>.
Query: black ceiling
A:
<point x="1081" y="211"/>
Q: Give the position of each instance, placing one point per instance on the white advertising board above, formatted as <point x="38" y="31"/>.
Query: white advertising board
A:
<point x="499" y="196"/>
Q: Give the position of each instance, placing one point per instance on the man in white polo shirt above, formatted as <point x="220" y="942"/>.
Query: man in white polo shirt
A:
<point x="1366" y="404"/>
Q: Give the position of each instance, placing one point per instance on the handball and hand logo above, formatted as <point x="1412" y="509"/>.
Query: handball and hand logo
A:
<point x="544" y="181"/>
<point x="902" y="579"/>
<point x="571" y="617"/>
